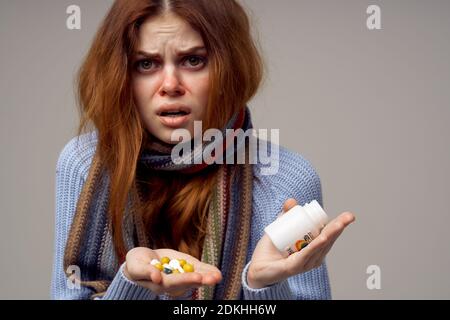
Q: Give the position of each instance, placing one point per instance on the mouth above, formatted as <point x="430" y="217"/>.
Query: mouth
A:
<point x="171" y="110"/>
<point x="174" y="116"/>
<point x="173" y="113"/>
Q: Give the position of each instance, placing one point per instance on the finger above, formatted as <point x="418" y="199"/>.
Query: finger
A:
<point x="211" y="278"/>
<point x="172" y="283"/>
<point x="156" y="275"/>
<point x="325" y="239"/>
<point x="346" y="218"/>
<point x="179" y="293"/>
<point x="175" y="281"/>
<point x="330" y="245"/>
<point x="316" y="261"/>
<point x="289" y="204"/>
<point x="143" y="271"/>
<point x="314" y="250"/>
<point x="315" y="245"/>
<point x="298" y="261"/>
<point x="210" y="275"/>
<point x="336" y="226"/>
<point x="205" y="267"/>
<point x="318" y="258"/>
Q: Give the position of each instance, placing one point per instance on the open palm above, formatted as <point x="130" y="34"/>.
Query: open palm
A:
<point x="268" y="265"/>
<point x="140" y="270"/>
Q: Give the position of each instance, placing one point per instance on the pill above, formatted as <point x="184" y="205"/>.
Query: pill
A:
<point x="167" y="266"/>
<point x="182" y="262"/>
<point x="159" y="266"/>
<point x="188" y="267"/>
<point x="165" y="260"/>
<point x="180" y="269"/>
<point x="167" y="271"/>
<point x="174" y="263"/>
<point x="154" y="261"/>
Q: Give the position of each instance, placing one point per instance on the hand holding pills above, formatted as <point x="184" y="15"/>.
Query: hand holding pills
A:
<point x="146" y="267"/>
<point x="269" y="265"/>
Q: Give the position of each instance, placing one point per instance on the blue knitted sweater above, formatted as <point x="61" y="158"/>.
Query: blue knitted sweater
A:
<point x="296" y="178"/>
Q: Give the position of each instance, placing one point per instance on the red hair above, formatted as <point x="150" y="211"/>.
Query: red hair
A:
<point x="175" y="216"/>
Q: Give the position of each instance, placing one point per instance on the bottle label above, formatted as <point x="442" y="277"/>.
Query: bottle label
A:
<point x="300" y="243"/>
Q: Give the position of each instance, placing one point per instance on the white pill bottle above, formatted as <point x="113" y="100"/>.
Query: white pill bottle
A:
<point x="296" y="228"/>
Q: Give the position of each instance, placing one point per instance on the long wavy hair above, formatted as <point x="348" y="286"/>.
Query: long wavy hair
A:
<point x="175" y="207"/>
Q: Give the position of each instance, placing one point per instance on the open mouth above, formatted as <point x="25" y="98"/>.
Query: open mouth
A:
<point x="175" y="117"/>
<point x="173" y="113"/>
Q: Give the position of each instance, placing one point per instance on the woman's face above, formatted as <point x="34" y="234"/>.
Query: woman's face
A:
<point x="170" y="76"/>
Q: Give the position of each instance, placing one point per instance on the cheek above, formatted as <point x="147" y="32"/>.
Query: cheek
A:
<point x="199" y="86"/>
<point x="203" y="86"/>
<point x="143" y="91"/>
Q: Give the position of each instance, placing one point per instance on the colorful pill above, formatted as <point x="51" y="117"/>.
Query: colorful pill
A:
<point x="167" y="271"/>
<point x="182" y="262"/>
<point x="159" y="266"/>
<point x="188" y="267"/>
<point x="180" y="269"/>
<point x="165" y="260"/>
<point x="167" y="266"/>
<point x="154" y="261"/>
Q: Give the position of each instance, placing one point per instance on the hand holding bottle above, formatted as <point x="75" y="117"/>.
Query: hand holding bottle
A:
<point x="270" y="265"/>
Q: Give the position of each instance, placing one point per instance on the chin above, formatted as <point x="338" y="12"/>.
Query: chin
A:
<point x="166" y="137"/>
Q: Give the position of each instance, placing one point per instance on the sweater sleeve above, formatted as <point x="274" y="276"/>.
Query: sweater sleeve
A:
<point x="300" y="180"/>
<point x="71" y="172"/>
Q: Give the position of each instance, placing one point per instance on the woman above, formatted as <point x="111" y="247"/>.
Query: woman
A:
<point x="155" y="67"/>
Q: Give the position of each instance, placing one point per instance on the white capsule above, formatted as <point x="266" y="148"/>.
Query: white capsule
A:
<point x="154" y="261"/>
<point x="166" y="265"/>
<point x="174" y="263"/>
<point x="181" y="269"/>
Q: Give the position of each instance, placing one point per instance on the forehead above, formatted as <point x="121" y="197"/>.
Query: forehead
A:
<point x="167" y="29"/>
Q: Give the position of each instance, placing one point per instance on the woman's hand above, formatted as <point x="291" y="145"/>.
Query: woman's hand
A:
<point x="268" y="265"/>
<point x="139" y="269"/>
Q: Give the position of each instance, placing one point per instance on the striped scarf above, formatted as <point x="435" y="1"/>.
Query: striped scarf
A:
<point x="228" y="226"/>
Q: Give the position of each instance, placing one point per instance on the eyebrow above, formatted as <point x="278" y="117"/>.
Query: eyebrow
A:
<point x="179" y="52"/>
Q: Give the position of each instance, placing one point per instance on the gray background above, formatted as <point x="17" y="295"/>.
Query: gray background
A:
<point x="369" y="109"/>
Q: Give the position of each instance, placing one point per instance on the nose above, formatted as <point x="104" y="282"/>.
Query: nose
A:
<point x="171" y="84"/>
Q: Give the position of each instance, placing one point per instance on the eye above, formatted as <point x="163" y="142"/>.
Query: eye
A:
<point x="195" y="61"/>
<point x="144" y="65"/>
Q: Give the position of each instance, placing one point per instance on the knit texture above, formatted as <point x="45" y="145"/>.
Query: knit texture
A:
<point x="296" y="178"/>
<point x="229" y="210"/>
